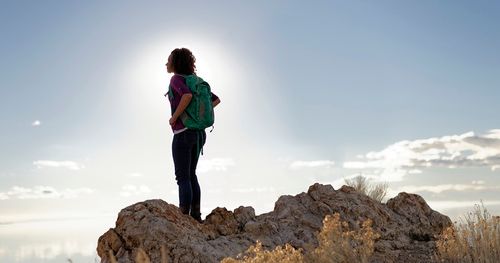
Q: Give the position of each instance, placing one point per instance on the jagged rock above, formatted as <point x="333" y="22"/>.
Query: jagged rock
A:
<point x="406" y="224"/>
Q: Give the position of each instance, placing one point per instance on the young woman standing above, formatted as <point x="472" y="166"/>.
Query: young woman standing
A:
<point x="187" y="143"/>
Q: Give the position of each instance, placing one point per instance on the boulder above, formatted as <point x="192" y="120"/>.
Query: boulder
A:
<point x="407" y="226"/>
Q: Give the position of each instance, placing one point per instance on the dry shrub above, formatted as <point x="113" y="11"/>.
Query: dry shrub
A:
<point x="142" y="256"/>
<point x="255" y="254"/>
<point x="112" y="257"/>
<point x="336" y="244"/>
<point x="361" y="184"/>
<point x="164" y="255"/>
<point x="475" y="239"/>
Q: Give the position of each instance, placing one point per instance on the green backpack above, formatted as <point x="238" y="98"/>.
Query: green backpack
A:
<point x="199" y="114"/>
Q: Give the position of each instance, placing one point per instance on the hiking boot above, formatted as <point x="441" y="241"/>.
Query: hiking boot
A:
<point x="198" y="218"/>
<point x="184" y="210"/>
<point x="195" y="213"/>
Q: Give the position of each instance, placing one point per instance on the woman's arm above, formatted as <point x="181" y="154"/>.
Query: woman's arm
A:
<point x="185" y="99"/>
<point x="215" y="102"/>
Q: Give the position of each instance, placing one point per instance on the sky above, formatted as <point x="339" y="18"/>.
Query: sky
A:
<point x="399" y="92"/>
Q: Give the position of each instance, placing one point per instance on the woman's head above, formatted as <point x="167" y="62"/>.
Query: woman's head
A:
<point x="181" y="61"/>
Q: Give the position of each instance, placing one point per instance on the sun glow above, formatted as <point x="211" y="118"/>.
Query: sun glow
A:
<point x="145" y="79"/>
<point x="214" y="63"/>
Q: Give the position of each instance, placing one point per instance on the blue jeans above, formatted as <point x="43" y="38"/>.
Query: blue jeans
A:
<point x="186" y="147"/>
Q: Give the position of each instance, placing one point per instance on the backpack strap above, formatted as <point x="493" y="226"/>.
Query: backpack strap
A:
<point x="198" y="143"/>
<point x="169" y="93"/>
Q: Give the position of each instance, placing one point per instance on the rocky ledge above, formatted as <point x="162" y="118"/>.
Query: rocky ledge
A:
<point x="406" y="224"/>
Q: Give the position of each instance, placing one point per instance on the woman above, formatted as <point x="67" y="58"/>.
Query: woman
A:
<point x="187" y="143"/>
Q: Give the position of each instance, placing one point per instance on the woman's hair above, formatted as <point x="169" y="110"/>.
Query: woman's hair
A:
<point x="183" y="61"/>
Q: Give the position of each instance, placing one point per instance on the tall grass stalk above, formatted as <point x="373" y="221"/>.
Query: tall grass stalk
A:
<point x="475" y="239"/>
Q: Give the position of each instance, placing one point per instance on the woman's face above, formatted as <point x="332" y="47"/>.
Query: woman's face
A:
<point x="170" y="67"/>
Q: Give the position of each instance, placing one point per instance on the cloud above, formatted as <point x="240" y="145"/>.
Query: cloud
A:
<point x="132" y="190"/>
<point x="254" y="190"/>
<point x="36" y="123"/>
<point x="473" y="186"/>
<point x="58" y="164"/>
<point x="73" y="193"/>
<point x="311" y="164"/>
<point x="50" y="250"/>
<point x="43" y="192"/>
<point x="447" y="205"/>
<point x="216" y="164"/>
<point x="454" y="151"/>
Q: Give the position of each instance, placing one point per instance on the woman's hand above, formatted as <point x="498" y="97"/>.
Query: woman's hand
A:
<point x="185" y="99"/>
<point x="172" y="120"/>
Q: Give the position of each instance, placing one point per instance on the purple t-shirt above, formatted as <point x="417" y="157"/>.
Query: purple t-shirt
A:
<point x="179" y="88"/>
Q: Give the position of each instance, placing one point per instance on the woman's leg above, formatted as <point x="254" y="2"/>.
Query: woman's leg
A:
<point x="181" y="152"/>
<point x="195" y="186"/>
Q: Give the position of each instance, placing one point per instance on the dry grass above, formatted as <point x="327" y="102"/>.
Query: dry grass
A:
<point x="475" y="239"/>
<point x="255" y="254"/>
<point x="337" y="244"/>
<point x="361" y="184"/>
<point x="112" y="256"/>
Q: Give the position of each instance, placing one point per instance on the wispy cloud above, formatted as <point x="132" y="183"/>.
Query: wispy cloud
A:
<point x="50" y="250"/>
<point x="216" y="164"/>
<point x="132" y="190"/>
<point x="454" y="151"/>
<point x="42" y="192"/>
<point x="135" y="175"/>
<point x="254" y="190"/>
<point x="36" y="123"/>
<point x="451" y="204"/>
<point x="4" y="196"/>
<point x="311" y="164"/>
<point x="474" y="186"/>
<point x="58" y="164"/>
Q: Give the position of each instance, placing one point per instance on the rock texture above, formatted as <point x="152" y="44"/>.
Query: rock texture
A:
<point x="406" y="224"/>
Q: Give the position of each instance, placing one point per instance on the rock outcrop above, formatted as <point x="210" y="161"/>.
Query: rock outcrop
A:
<point x="406" y="224"/>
